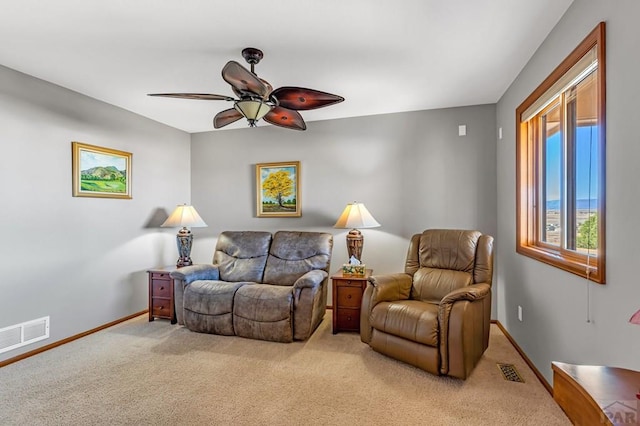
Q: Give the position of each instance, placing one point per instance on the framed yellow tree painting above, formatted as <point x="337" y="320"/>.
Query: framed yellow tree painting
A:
<point x="278" y="189"/>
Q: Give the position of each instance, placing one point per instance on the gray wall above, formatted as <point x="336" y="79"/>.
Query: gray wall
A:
<point x="81" y="261"/>
<point x="555" y="303"/>
<point x="411" y="170"/>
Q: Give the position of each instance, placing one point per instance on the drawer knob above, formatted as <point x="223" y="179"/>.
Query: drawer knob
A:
<point x="161" y="288"/>
<point x="348" y="296"/>
<point x="348" y="318"/>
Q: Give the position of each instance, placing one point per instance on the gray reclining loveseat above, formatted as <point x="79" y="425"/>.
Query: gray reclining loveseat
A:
<point x="260" y="286"/>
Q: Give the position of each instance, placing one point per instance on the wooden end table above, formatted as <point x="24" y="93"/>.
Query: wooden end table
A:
<point x="347" y="299"/>
<point x="597" y="395"/>
<point x="161" y="303"/>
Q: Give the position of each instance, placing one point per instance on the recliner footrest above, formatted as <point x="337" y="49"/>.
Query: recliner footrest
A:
<point x="209" y="306"/>
<point x="264" y="312"/>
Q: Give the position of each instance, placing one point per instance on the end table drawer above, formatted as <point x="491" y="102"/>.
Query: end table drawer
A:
<point x="160" y="276"/>
<point x="161" y="308"/>
<point x="349" y="297"/>
<point x="160" y="288"/>
<point x="355" y="283"/>
<point x="349" y="319"/>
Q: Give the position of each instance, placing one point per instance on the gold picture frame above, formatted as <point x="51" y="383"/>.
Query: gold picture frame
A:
<point x="100" y="172"/>
<point x="278" y="189"/>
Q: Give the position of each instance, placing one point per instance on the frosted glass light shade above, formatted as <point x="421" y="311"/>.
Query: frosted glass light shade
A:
<point x="253" y="110"/>
<point x="184" y="216"/>
<point x="356" y="215"/>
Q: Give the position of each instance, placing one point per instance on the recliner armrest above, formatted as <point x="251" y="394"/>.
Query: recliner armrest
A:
<point x="387" y="288"/>
<point x="470" y="293"/>
<point x="382" y="288"/>
<point x="189" y="274"/>
<point x="311" y="279"/>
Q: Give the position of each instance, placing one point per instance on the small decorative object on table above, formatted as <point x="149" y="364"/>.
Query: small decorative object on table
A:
<point x="354" y="268"/>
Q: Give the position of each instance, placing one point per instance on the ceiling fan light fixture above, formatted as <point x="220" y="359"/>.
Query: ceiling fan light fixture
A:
<point x="257" y="99"/>
<point x="253" y="110"/>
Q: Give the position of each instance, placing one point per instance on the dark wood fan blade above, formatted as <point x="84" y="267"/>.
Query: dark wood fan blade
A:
<point x="201" y="96"/>
<point x="299" y="98"/>
<point x="284" y="117"/>
<point x="269" y="86"/>
<point x="240" y="93"/>
<point x="225" y="117"/>
<point x="244" y="80"/>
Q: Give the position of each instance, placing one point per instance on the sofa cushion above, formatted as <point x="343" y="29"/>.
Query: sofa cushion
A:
<point x="410" y="319"/>
<point x="241" y="255"/>
<point x="293" y="254"/>
<point x="208" y="306"/>
<point x="211" y="297"/>
<point x="263" y="311"/>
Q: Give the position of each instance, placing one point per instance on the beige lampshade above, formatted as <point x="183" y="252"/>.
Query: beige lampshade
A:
<point x="356" y="215"/>
<point x="184" y="216"/>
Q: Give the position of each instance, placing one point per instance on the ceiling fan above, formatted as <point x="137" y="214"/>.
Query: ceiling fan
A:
<point x="257" y="99"/>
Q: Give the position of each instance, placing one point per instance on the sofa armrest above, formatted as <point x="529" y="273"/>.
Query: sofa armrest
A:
<point x="189" y="274"/>
<point x="475" y="295"/>
<point x="382" y="288"/>
<point x="185" y="276"/>
<point x="309" y="302"/>
<point x="311" y="279"/>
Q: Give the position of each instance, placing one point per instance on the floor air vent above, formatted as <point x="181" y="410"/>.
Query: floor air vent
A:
<point x="510" y="373"/>
<point x="22" y="334"/>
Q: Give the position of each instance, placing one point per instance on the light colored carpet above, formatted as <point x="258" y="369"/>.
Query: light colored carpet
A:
<point x="160" y="374"/>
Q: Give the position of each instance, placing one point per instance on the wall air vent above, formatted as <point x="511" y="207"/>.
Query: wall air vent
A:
<point x="22" y="334"/>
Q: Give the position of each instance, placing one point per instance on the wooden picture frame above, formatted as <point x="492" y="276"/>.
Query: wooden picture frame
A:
<point x="278" y="189"/>
<point x="100" y="172"/>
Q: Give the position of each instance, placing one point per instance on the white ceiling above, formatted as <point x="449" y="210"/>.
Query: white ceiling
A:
<point x="382" y="56"/>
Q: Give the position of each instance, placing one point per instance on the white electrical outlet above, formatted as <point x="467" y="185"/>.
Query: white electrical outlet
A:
<point x="462" y="130"/>
<point x="500" y="133"/>
<point x="519" y="313"/>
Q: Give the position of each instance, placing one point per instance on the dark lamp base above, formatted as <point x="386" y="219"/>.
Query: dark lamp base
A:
<point x="184" y="240"/>
<point x="184" y="262"/>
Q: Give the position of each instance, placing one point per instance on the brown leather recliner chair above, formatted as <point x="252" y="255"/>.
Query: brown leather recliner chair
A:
<point x="436" y="315"/>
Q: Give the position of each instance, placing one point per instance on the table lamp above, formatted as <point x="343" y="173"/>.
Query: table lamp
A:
<point x="184" y="216"/>
<point x="354" y="216"/>
<point x="635" y="318"/>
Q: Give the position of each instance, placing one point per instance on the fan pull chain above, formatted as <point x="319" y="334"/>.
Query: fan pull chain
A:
<point x="588" y="297"/>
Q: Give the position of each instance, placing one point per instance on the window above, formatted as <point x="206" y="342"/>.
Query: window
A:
<point x="560" y="131"/>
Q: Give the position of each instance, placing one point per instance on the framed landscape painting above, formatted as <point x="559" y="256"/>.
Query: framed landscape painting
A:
<point x="278" y="189"/>
<point x="100" y="172"/>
